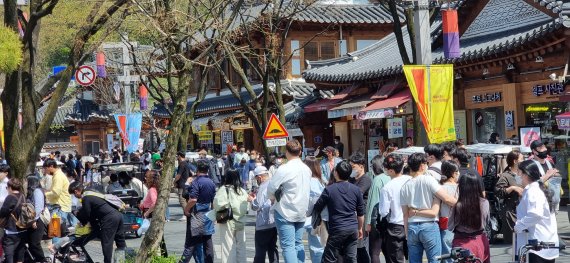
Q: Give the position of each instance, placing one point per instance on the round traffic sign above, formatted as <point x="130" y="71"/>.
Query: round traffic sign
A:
<point x="85" y="75"/>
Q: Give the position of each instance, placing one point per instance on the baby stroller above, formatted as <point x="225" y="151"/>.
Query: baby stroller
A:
<point x="132" y="216"/>
<point x="73" y="250"/>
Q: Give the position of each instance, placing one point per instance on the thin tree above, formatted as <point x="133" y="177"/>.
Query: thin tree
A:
<point x="20" y="96"/>
<point x="182" y="33"/>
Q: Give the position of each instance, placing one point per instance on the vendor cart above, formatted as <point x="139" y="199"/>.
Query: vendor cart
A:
<point x="493" y="159"/>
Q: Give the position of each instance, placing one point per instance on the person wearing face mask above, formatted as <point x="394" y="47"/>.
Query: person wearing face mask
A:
<point x="508" y="189"/>
<point x="358" y="178"/>
<point x="238" y="156"/>
<point x="535" y="214"/>
<point x="276" y="163"/>
<point x="549" y="174"/>
<point x="339" y="145"/>
<point x="328" y="163"/>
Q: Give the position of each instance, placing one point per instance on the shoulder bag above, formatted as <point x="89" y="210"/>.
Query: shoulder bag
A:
<point x="224" y="215"/>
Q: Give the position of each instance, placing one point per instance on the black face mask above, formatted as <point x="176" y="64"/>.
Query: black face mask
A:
<point x="542" y="155"/>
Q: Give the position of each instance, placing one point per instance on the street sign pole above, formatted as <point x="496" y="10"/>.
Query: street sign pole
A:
<point x="423" y="54"/>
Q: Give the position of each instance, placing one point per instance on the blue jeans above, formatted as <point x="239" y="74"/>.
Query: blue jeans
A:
<point x="290" y="239"/>
<point x="424" y="236"/>
<point x="316" y="249"/>
<point x="446" y="239"/>
<point x="198" y="254"/>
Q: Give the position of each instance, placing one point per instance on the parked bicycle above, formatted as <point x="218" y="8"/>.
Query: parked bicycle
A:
<point x="534" y="245"/>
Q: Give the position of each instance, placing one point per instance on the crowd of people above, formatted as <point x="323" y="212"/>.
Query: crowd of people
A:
<point x="404" y="207"/>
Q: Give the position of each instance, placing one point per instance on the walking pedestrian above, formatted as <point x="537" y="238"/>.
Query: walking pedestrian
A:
<point x="358" y="177"/>
<point x="316" y="248"/>
<point x="338" y="145"/>
<point x="468" y="218"/>
<point x="290" y="188"/>
<point x="58" y="196"/>
<point x="393" y="232"/>
<point x="265" y="231"/>
<point x="547" y="170"/>
<point x="509" y="190"/>
<point x="232" y="232"/>
<point x="181" y="177"/>
<point x="34" y="235"/>
<point x="13" y="242"/>
<point x="434" y="153"/>
<point x="535" y="214"/>
<point x="328" y="163"/>
<point x="372" y="205"/>
<point x="345" y="226"/>
<point x="421" y="212"/>
<point x="200" y="229"/>
<point x="106" y="221"/>
<point x="449" y="178"/>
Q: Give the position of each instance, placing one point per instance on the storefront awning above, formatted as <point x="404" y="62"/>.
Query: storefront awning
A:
<point x="563" y="120"/>
<point x="384" y="108"/>
<point x="322" y="105"/>
<point x="350" y="107"/>
<point x="387" y="90"/>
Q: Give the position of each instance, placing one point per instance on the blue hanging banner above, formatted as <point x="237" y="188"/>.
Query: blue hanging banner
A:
<point x="130" y="126"/>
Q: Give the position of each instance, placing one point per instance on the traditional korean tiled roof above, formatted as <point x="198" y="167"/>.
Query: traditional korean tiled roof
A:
<point x="295" y="88"/>
<point x="345" y="14"/>
<point x="88" y="111"/>
<point x="61" y="113"/>
<point x="513" y="24"/>
<point x="562" y="8"/>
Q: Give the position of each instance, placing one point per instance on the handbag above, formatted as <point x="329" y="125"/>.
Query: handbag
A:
<point x="224" y="215"/>
<point x="45" y="216"/>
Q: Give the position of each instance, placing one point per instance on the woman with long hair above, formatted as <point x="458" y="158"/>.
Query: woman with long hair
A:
<point x="508" y="189"/>
<point x="535" y="214"/>
<point x="449" y="178"/>
<point x="34" y="235"/>
<point x="232" y="232"/>
<point x="466" y="221"/>
<point x="315" y="236"/>
<point x="379" y="180"/>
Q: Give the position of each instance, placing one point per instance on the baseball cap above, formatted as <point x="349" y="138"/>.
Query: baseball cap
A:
<point x="260" y="170"/>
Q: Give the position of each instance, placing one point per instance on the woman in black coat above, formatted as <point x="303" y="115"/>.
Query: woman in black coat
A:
<point x="13" y="236"/>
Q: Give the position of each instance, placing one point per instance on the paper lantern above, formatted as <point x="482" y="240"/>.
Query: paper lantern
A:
<point x="450" y="34"/>
<point x="143" y="92"/>
<point x="100" y="61"/>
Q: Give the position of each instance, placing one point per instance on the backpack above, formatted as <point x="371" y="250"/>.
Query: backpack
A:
<point x="27" y="216"/>
<point x="112" y="200"/>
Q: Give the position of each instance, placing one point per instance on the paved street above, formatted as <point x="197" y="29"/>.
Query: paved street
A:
<point x="175" y="234"/>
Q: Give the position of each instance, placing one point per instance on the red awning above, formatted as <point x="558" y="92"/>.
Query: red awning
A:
<point x="322" y="105"/>
<point x="344" y="92"/>
<point x="386" y="90"/>
<point x="391" y="102"/>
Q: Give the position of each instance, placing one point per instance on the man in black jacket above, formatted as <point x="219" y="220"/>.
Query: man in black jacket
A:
<point x="106" y="221"/>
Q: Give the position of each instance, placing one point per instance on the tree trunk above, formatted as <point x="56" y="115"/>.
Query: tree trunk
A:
<point x="153" y="237"/>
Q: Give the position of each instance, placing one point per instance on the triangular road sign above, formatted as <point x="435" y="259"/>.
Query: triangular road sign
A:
<point x="275" y="129"/>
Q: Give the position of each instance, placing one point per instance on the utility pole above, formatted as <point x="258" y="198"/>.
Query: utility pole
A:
<point x="423" y="55"/>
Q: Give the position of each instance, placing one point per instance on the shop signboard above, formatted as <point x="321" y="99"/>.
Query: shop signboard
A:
<point x="110" y="142"/>
<point x="548" y="89"/>
<point x="509" y="120"/>
<point x="217" y="137"/>
<point x="227" y="141"/>
<point x="373" y="142"/>
<point x="205" y="136"/>
<point x="376" y="114"/>
<point x="527" y="135"/>
<point x="395" y="128"/>
<point x="460" y="121"/>
<point x="239" y="135"/>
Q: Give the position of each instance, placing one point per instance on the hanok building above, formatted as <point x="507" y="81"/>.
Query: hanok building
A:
<point x="321" y="31"/>
<point x="506" y="76"/>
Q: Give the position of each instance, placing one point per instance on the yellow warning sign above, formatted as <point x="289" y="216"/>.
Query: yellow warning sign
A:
<point x="275" y="129"/>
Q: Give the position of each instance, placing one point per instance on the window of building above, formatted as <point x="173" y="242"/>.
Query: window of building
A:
<point x="295" y="58"/>
<point x="364" y="43"/>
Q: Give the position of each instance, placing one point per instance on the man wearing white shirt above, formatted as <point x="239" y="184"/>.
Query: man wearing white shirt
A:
<point x="290" y="189"/>
<point x="434" y="153"/>
<point x="394" y="233"/>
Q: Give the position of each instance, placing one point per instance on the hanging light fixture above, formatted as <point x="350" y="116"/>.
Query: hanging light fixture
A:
<point x="143" y="95"/>
<point x="100" y="61"/>
<point x="450" y="34"/>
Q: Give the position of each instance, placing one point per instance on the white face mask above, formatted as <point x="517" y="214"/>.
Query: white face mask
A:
<point x="353" y="174"/>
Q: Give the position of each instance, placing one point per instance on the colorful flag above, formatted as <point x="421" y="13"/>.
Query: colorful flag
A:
<point x="2" y="126"/>
<point x="450" y="34"/>
<point x="143" y="93"/>
<point x="100" y="61"/>
<point x="432" y="89"/>
<point x="130" y="129"/>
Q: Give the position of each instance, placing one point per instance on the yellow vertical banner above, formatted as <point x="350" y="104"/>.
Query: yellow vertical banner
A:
<point x="432" y="89"/>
